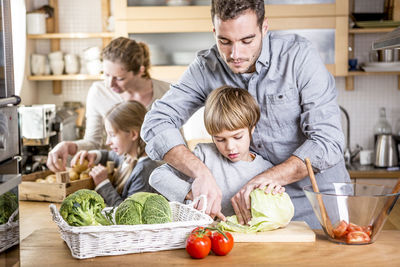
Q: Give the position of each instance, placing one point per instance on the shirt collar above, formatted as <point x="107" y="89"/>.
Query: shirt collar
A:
<point x="264" y="58"/>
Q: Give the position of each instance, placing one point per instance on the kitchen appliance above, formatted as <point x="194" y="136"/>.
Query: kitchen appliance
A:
<point x="37" y="121"/>
<point x="42" y="128"/>
<point x="385" y="151"/>
<point x="9" y="139"/>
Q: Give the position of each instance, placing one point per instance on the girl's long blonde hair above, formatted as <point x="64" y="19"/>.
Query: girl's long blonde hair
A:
<point x="127" y="116"/>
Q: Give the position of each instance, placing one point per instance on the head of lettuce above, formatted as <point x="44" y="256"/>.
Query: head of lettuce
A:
<point x="268" y="212"/>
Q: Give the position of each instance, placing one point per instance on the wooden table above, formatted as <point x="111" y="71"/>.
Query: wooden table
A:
<point x="43" y="246"/>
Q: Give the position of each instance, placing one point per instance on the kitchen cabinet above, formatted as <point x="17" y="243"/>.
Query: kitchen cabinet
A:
<point x="55" y="37"/>
<point x="131" y="20"/>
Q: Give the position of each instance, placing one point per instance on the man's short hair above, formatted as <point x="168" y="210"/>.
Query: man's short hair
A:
<point x="230" y="108"/>
<point x="230" y="9"/>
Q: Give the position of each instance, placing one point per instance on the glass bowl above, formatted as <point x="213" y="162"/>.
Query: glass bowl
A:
<point x="356" y="211"/>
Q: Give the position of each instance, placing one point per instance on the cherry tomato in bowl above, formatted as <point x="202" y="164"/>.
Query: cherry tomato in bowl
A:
<point x="357" y="237"/>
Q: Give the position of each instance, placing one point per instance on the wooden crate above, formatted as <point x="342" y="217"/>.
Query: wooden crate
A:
<point x="51" y="192"/>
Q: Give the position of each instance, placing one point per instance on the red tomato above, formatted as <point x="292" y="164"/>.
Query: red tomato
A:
<point x="220" y="244"/>
<point x="367" y="230"/>
<point x="354" y="228"/>
<point x="198" y="245"/>
<point x="357" y="237"/>
<point x="341" y="229"/>
<point x="202" y="230"/>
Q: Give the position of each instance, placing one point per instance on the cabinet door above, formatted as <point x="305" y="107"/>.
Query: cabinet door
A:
<point x="326" y="20"/>
<point x="379" y="181"/>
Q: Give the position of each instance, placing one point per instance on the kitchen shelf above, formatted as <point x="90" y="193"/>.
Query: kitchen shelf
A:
<point x="65" y="77"/>
<point x="370" y="30"/>
<point x="364" y="73"/>
<point x="350" y="74"/>
<point x="75" y="35"/>
<point x="167" y="73"/>
<point x="55" y="38"/>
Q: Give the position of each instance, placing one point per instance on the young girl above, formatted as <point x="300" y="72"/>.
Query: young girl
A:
<point x="122" y="123"/>
<point x="230" y="116"/>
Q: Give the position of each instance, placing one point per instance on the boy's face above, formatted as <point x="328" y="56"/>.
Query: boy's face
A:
<point x="234" y="145"/>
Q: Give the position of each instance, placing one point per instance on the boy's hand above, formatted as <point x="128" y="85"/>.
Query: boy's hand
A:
<point x="208" y="187"/>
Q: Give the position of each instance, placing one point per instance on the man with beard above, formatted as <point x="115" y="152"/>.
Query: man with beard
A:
<point x="297" y="96"/>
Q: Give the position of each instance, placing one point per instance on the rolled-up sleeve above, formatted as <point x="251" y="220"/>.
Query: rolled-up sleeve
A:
<point x="160" y="129"/>
<point x="320" y="117"/>
<point x="170" y="183"/>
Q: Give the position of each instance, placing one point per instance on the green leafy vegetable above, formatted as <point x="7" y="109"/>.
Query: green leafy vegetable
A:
<point x="83" y="208"/>
<point x="143" y="208"/>
<point x="8" y="204"/>
<point x="268" y="212"/>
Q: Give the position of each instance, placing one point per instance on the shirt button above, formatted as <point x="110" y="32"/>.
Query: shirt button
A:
<point x="280" y="96"/>
<point x="259" y="146"/>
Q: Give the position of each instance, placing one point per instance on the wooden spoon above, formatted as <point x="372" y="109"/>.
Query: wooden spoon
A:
<point x="381" y="218"/>
<point x="325" y="218"/>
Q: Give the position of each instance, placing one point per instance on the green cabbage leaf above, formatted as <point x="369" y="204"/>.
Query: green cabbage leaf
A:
<point x="268" y="212"/>
<point x="143" y="208"/>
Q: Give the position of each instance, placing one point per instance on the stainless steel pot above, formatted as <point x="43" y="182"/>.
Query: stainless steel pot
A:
<point x="385" y="151"/>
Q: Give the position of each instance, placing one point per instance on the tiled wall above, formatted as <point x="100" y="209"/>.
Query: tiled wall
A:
<point x="371" y="92"/>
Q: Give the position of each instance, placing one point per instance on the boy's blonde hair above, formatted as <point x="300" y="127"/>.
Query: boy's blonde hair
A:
<point x="127" y="116"/>
<point x="230" y="108"/>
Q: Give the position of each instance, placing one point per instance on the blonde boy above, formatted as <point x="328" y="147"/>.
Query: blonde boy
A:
<point x="230" y="116"/>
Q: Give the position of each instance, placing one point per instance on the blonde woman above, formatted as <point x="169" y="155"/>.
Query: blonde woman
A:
<point x="126" y="65"/>
<point x="230" y="116"/>
<point x="122" y="123"/>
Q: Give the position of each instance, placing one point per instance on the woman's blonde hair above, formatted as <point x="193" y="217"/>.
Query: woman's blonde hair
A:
<point x="127" y="116"/>
<point x="130" y="53"/>
<point x="230" y="108"/>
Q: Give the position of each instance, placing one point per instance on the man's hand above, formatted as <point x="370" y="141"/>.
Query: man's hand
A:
<point x="182" y="159"/>
<point x="57" y="158"/>
<point x="290" y="171"/>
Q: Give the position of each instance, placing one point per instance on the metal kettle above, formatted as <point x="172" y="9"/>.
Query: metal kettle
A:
<point x="385" y="151"/>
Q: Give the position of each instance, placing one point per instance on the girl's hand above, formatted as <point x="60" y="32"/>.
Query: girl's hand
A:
<point x="81" y="156"/>
<point x="99" y="174"/>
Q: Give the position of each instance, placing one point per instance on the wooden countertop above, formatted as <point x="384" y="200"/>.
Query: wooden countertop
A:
<point x="369" y="171"/>
<point x="42" y="245"/>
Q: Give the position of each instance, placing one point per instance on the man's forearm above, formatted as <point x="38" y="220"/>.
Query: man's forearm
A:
<point x="182" y="159"/>
<point x="289" y="171"/>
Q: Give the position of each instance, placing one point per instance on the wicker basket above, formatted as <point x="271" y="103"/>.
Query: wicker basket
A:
<point x="91" y="241"/>
<point x="9" y="232"/>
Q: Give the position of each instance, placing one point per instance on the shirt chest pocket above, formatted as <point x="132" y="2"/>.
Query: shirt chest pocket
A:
<point x="283" y="109"/>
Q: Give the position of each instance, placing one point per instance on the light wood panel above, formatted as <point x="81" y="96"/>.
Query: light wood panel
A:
<point x="72" y="35"/>
<point x="65" y="77"/>
<point x="295" y="231"/>
<point x="123" y="12"/>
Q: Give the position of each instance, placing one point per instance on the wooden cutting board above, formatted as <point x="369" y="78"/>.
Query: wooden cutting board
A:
<point x="296" y="231"/>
